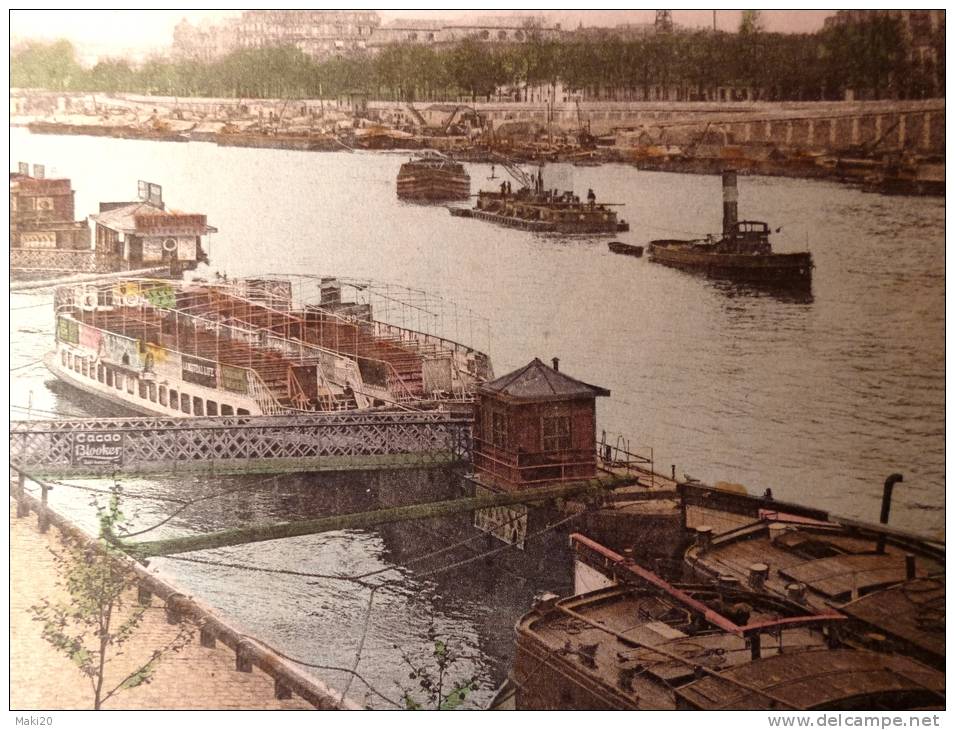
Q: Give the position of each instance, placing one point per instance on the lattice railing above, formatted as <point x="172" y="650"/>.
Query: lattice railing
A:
<point x="162" y="444"/>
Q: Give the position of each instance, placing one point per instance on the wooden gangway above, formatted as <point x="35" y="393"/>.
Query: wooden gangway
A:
<point x="244" y="444"/>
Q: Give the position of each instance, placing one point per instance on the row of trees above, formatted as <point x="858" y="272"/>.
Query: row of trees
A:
<point x="873" y="59"/>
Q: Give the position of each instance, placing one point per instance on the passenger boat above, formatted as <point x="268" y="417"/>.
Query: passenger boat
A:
<point x="251" y="347"/>
<point x="430" y="175"/>
<point x="742" y="253"/>
<point x="625" y="248"/>
<point x="889" y="584"/>
<point x="643" y="643"/>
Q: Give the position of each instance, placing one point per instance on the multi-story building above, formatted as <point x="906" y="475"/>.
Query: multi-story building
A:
<point x="919" y="27"/>
<point x="318" y="33"/>
<point x="41" y="217"/>
<point x="325" y="33"/>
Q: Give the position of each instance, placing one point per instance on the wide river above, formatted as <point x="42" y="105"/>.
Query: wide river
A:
<point x="818" y="398"/>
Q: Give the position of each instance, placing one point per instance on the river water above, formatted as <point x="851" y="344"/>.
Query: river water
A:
<point x="818" y="398"/>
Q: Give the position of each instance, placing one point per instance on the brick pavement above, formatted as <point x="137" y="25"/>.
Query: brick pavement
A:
<point x="42" y="678"/>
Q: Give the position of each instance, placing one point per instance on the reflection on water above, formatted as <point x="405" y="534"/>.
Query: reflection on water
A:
<point x="818" y="398"/>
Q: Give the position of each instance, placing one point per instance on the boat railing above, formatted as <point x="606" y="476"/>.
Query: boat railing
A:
<point x="521" y="468"/>
<point x="614" y="451"/>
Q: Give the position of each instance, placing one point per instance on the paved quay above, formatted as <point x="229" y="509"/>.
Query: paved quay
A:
<point x="43" y="679"/>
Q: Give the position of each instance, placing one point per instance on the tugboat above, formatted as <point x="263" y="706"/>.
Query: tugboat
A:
<point x="433" y="176"/>
<point x="532" y="208"/>
<point x="742" y="253"/>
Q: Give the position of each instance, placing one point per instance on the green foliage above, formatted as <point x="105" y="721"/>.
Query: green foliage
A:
<point x="871" y="57"/>
<point x="433" y="690"/>
<point x="95" y="623"/>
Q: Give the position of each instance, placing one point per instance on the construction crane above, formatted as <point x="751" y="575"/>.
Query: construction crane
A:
<point x="522" y="176"/>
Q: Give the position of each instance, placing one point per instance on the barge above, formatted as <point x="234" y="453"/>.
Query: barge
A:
<point x="431" y="176"/>
<point x="643" y="643"/>
<point x="742" y="253"/>
<point x="544" y="212"/>
<point x="251" y="347"/>
<point x="890" y="585"/>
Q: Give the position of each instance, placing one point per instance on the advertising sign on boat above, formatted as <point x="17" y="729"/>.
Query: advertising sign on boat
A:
<point x="199" y="371"/>
<point x="234" y="379"/>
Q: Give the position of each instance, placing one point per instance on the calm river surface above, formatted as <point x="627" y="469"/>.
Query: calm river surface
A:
<point x="819" y="399"/>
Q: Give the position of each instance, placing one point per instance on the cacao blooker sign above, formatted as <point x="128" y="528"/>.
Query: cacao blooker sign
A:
<point x="98" y="448"/>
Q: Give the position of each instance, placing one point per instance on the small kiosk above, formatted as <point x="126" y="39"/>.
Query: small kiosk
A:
<point x="535" y="426"/>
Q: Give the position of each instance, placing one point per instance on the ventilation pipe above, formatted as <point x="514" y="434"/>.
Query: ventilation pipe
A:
<point x="730" y="198"/>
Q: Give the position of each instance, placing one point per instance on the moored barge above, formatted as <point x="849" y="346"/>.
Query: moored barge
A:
<point x="890" y="584"/>
<point x="742" y="253"/>
<point x="644" y="643"/>
<point x="431" y="176"/>
<point x="249" y="347"/>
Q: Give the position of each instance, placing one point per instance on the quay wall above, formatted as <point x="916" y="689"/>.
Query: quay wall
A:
<point x="201" y="676"/>
<point x="914" y="125"/>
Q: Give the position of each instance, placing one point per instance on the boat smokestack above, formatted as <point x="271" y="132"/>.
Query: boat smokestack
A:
<point x="730" y="198"/>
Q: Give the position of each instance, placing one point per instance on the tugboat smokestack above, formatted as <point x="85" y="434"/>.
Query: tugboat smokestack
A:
<point x="730" y="197"/>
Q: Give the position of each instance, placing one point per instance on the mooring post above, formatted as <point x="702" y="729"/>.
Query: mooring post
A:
<point x="282" y="692"/>
<point x="22" y="509"/>
<point x="242" y="662"/>
<point x="207" y="636"/>
<point x="173" y="613"/>
<point x="43" y="517"/>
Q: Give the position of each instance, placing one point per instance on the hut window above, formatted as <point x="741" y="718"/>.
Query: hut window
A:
<point x="556" y="431"/>
<point x="212" y="408"/>
<point x="499" y="430"/>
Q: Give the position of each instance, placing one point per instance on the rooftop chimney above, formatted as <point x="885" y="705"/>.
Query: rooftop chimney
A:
<point x="556" y="361"/>
<point x="730" y="197"/>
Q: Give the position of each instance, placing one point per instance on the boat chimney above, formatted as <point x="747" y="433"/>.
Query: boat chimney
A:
<point x="730" y="197"/>
<point x="556" y="362"/>
<point x="890" y="482"/>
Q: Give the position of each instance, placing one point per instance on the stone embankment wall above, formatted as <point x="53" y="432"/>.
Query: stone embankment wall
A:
<point x="917" y="126"/>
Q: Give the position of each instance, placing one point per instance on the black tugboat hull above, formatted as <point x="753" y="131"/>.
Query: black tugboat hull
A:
<point x="783" y="269"/>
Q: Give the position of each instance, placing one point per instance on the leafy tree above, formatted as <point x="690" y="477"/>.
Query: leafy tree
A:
<point x="46" y="65"/>
<point x="435" y="690"/>
<point x="98" y="620"/>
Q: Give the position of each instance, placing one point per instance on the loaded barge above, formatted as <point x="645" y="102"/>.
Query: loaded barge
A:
<point x="742" y="253"/>
<point x="431" y="176"/>
<point x="251" y="347"/>
<point x="532" y="208"/>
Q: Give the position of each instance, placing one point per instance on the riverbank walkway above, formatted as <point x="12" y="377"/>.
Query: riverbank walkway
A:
<point x="197" y="678"/>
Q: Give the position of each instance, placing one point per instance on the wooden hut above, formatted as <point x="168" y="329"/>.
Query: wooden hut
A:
<point x="536" y="425"/>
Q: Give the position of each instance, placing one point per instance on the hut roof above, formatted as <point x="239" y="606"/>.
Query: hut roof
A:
<point x="538" y="382"/>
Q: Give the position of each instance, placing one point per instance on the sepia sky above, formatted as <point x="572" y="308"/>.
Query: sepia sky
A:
<point x="125" y="29"/>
